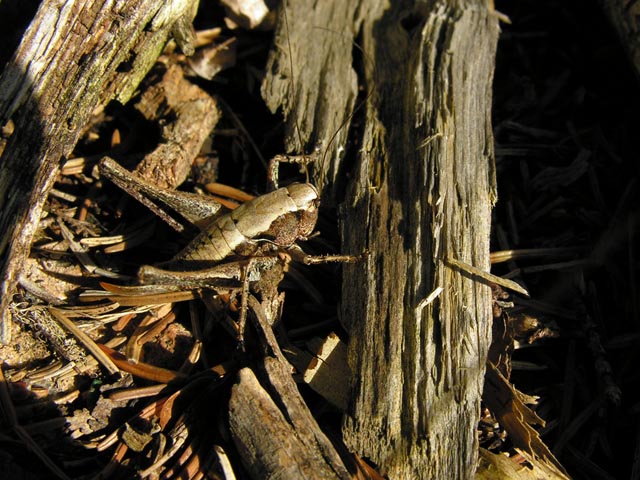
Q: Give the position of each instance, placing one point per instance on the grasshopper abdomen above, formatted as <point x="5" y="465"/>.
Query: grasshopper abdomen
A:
<point x="280" y="217"/>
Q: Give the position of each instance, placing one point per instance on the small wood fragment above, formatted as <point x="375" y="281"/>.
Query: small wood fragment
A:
<point x="488" y="277"/>
<point x="191" y="113"/>
<point x="328" y="373"/>
<point x="271" y="424"/>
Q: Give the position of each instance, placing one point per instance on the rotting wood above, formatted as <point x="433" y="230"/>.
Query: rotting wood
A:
<point x="268" y="443"/>
<point x="193" y="113"/>
<point x="426" y="180"/>
<point x="72" y="59"/>
<point x="319" y="95"/>
<point x="422" y="190"/>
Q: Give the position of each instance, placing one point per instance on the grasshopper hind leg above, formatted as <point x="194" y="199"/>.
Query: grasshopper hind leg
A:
<point x="198" y="210"/>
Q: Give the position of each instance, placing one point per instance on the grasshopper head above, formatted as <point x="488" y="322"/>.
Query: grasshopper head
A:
<point x="298" y="223"/>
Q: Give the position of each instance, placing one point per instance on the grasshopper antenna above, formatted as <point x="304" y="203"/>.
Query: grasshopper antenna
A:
<point x="357" y="107"/>
<point x="346" y="121"/>
<point x="298" y="133"/>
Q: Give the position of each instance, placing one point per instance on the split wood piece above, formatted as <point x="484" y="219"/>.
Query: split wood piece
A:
<point x="422" y="189"/>
<point x="270" y="423"/>
<point x="193" y="114"/>
<point x="74" y="57"/>
<point x="268" y="444"/>
<point x="623" y="16"/>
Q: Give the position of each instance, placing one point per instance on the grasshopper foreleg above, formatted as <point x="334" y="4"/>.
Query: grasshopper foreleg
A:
<point x="274" y="164"/>
<point x="242" y="322"/>
<point x="299" y="255"/>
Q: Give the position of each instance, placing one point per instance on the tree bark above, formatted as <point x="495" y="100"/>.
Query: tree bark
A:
<point x="74" y="57"/>
<point x="421" y="191"/>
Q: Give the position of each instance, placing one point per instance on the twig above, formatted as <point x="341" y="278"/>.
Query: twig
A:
<point x="488" y="277"/>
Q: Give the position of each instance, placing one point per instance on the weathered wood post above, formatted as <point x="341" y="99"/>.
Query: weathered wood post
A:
<point x="420" y="192"/>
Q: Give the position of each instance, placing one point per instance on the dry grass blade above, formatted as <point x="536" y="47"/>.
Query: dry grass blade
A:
<point x="148" y="328"/>
<point x="94" y="311"/>
<point x="137" y="393"/>
<point x="82" y="254"/>
<point x="223" y="190"/>
<point x="83" y="338"/>
<point x="140" y="369"/>
<point x="146" y="296"/>
<point x="134" y="236"/>
<point x="528" y="253"/>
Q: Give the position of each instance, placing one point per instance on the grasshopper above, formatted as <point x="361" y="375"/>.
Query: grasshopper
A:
<point x="279" y="219"/>
<point x="231" y="246"/>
